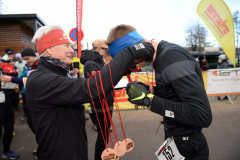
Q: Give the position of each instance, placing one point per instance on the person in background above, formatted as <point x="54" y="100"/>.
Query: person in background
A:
<point x="222" y="64"/>
<point x="24" y="74"/>
<point x="9" y="54"/>
<point x="15" y="97"/>
<point x="203" y="63"/>
<point x="28" y="54"/>
<point x="76" y="68"/>
<point x="93" y="62"/>
<point x="7" y="119"/>
<point x="20" y="64"/>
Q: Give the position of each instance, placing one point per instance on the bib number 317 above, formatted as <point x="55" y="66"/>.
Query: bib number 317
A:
<point x="169" y="151"/>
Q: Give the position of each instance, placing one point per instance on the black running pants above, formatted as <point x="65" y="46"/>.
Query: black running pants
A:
<point x="7" y="121"/>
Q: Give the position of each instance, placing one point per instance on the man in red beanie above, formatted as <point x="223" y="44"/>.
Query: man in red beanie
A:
<point x="58" y="119"/>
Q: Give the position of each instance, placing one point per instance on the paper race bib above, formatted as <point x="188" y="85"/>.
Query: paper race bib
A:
<point x="9" y="85"/>
<point x="169" y="151"/>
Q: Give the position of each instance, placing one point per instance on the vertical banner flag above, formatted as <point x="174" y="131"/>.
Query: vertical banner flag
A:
<point x="218" y="18"/>
<point x="79" y="25"/>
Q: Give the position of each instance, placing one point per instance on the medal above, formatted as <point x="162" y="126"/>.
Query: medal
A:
<point x="108" y="154"/>
<point x="129" y="144"/>
<point x="120" y="149"/>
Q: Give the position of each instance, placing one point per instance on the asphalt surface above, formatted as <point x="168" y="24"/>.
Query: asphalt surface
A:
<point x="141" y="126"/>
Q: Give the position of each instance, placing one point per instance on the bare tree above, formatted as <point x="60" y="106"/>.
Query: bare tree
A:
<point x="189" y="30"/>
<point x="236" y="20"/>
<point x="3" y="7"/>
<point x="196" y="38"/>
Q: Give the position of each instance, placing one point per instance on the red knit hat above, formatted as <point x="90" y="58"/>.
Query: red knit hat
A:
<point x="53" y="38"/>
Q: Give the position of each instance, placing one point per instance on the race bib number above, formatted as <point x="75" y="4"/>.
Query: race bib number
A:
<point x="169" y="151"/>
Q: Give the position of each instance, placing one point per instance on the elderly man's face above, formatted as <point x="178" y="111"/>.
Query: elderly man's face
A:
<point x="63" y="52"/>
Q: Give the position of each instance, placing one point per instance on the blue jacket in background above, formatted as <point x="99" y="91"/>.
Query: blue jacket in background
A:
<point x="25" y="74"/>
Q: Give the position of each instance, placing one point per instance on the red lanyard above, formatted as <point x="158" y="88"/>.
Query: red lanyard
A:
<point x="120" y="147"/>
<point x="97" y="115"/>
<point x="116" y="105"/>
<point x="128" y="75"/>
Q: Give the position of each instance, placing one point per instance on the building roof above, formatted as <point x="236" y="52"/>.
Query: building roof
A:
<point x="22" y="17"/>
<point x="31" y="20"/>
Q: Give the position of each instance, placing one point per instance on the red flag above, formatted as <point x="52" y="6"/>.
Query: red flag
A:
<point x="79" y="25"/>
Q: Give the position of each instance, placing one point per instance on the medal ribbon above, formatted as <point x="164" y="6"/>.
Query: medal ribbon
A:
<point x="104" y="113"/>
<point x="96" y="114"/>
<point x="116" y="105"/>
<point x="107" y="108"/>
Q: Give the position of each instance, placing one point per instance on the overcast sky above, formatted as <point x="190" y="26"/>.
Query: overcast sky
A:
<point x="159" y="19"/>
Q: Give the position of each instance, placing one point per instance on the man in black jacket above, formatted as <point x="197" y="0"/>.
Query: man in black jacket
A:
<point x="93" y="62"/>
<point x="7" y="119"/>
<point x="179" y="95"/>
<point x="54" y="97"/>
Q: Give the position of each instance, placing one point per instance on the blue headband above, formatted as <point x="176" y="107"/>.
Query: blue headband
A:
<point x="124" y="42"/>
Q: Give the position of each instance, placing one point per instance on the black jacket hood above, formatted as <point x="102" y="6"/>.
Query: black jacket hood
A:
<point x="89" y="55"/>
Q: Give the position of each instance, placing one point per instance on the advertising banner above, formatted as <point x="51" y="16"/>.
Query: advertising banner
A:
<point x="222" y="82"/>
<point x="218" y="18"/>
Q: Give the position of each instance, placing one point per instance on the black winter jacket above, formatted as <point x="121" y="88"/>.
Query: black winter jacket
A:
<point x="53" y="100"/>
<point x="93" y="61"/>
<point x="180" y="95"/>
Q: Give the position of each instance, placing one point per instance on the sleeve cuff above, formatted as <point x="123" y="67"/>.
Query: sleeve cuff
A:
<point x="157" y="106"/>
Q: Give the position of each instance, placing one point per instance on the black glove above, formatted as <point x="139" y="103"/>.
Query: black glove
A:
<point x="145" y="85"/>
<point x="142" y="49"/>
<point x="137" y="94"/>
